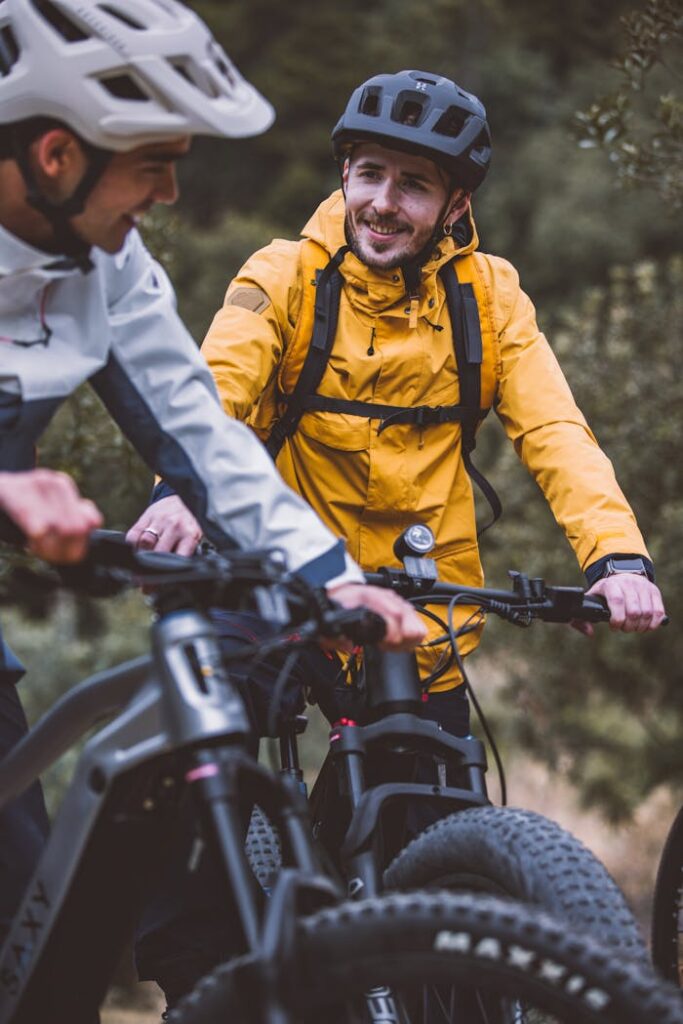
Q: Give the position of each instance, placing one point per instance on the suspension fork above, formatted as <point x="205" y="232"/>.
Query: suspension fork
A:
<point x="289" y="751"/>
<point x="347" y="747"/>
<point x="217" y="794"/>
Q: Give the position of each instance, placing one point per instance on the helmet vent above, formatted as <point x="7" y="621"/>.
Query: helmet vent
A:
<point x="226" y="71"/>
<point x="63" y="25"/>
<point x="481" y="148"/>
<point x="120" y="16"/>
<point x="222" y="64"/>
<point x="9" y="51"/>
<point x="369" y="104"/>
<point x="194" y="77"/>
<point x="123" y="87"/>
<point x="409" y="112"/>
<point x="452" y="122"/>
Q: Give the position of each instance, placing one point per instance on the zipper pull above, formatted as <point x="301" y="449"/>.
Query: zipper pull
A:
<point x="371" y="350"/>
<point x="435" y="327"/>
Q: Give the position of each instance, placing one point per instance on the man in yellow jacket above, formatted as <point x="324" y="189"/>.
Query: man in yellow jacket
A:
<point x="377" y="442"/>
<point x="412" y="147"/>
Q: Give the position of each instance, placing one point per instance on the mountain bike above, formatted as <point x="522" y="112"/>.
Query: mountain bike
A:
<point x="667" y="908"/>
<point x="386" y="762"/>
<point x="172" y="727"/>
<point x="175" y="729"/>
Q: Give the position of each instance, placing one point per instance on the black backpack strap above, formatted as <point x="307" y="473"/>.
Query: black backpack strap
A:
<point x="326" y="315"/>
<point x="467" y="342"/>
<point x="466" y="328"/>
<point x="417" y="415"/>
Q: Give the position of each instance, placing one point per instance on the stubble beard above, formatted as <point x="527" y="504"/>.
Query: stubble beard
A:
<point x="372" y="257"/>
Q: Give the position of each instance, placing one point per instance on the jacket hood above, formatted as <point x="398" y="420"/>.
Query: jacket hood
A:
<point x="376" y="291"/>
<point x="326" y="227"/>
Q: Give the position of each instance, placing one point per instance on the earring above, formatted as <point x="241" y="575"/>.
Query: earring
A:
<point x="447" y="229"/>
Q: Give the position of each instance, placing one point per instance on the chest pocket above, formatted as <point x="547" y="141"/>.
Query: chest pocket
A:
<point x="336" y="430"/>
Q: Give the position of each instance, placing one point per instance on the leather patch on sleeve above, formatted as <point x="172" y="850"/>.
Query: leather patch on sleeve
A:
<point x="253" y="299"/>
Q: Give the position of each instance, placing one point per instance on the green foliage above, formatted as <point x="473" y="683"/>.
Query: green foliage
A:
<point x="202" y="262"/>
<point x="76" y="640"/>
<point x="640" y="125"/>
<point x="608" y="711"/>
<point x="545" y="206"/>
<point x="84" y="442"/>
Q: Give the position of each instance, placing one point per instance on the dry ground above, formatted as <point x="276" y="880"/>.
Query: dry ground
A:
<point x="148" y="1011"/>
<point x="119" y="1016"/>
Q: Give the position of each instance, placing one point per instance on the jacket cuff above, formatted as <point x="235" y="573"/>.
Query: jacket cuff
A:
<point x="162" y="490"/>
<point x="594" y="572"/>
<point x="11" y="669"/>
<point x="332" y="568"/>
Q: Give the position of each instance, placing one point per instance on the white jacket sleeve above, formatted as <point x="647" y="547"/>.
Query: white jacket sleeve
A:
<point x="161" y="393"/>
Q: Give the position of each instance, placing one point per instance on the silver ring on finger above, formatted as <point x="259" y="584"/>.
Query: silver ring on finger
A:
<point x="148" y="529"/>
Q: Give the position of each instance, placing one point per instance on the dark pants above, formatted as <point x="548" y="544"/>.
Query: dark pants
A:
<point x="186" y="930"/>
<point x="23" y="822"/>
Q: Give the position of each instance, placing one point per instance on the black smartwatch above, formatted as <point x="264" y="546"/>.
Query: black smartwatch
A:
<point x="622" y="563"/>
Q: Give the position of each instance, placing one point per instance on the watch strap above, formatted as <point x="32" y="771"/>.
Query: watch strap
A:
<point x="608" y="565"/>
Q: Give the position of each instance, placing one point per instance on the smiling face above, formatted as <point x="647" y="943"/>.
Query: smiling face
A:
<point x="131" y="184"/>
<point x="394" y="203"/>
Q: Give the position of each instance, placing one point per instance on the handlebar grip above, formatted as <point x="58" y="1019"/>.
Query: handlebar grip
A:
<point x="100" y="541"/>
<point x="359" y="625"/>
<point x="371" y="629"/>
<point x="594" y="608"/>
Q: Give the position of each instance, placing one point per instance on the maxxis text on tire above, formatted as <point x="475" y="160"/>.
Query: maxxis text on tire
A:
<point x="407" y="940"/>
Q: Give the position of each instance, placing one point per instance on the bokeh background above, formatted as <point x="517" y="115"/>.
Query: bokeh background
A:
<point x="584" y="197"/>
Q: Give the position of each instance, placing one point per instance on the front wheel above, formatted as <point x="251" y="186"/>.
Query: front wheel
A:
<point x="523" y="856"/>
<point x="667" y="908"/>
<point x="487" y="961"/>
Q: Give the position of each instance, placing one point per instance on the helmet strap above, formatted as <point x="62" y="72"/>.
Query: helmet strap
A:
<point x="59" y="215"/>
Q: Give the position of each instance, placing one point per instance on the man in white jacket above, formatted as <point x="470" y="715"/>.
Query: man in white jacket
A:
<point x="95" y="110"/>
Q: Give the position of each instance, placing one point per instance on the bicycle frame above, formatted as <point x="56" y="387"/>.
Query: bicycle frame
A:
<point x="177" y="724"/>
<point x="394" y="701"/>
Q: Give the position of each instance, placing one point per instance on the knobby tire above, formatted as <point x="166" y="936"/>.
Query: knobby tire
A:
<point x="529" y="968"/>
<point x="521" y="855"/>
<point x="668" y="903"/>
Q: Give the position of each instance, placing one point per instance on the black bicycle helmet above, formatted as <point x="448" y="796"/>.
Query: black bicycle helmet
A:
<point x="421" y="113"/>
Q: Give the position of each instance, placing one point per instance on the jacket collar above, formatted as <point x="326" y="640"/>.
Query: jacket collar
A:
<point x="18" y="257"/>
<point x="378" y="290"/>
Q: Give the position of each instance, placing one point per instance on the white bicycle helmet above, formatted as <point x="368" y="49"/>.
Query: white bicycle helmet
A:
<point x="122" y="73"/>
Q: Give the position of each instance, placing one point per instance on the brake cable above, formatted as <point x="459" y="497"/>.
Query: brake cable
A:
<point x="454" y="635"/>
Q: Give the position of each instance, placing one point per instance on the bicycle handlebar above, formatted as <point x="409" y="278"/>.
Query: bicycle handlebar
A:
<point x="228" y="579"/>
<point x="529" y="599"/>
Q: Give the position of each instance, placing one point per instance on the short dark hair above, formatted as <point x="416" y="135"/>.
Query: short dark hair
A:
<point x="22" y="133"/>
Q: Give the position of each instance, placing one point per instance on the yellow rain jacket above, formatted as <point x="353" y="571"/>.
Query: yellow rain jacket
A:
<point x="367" y="486"/>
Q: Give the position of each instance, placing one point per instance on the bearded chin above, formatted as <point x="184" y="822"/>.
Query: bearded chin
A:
<point x="371" y="257"/>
